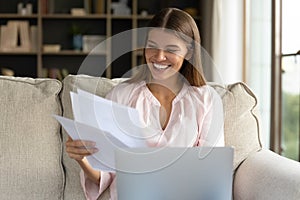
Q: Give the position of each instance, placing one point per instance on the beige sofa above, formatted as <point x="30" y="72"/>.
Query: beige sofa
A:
<point x="33" y="164"/>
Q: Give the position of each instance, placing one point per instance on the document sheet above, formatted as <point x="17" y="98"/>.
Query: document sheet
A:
<point x="105" y="122"/>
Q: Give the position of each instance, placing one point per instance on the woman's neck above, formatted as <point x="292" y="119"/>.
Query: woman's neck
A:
<point x="165" y="89"/>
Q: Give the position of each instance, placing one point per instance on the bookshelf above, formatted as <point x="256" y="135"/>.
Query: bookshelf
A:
<point x="55" y="21"/>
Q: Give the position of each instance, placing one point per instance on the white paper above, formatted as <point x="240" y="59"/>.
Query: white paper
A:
<point x="84" y="113"/>
<point x="120" y="121"/>
<point x="104" y="159"/>
<point x="107" y="123"/>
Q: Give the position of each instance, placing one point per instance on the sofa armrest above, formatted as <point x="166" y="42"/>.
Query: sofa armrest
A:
<point x="266" y="175"/>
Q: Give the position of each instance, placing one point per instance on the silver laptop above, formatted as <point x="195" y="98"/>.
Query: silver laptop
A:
<point x="197" y="173"/>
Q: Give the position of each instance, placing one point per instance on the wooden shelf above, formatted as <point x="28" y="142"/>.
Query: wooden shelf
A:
<point x="73" y="53"/>
<point x="57" y="27"/>
<point x="17" y="53"/>
<point x="121" y="17"/>
<point x="17" y="16"/>
<point x="69" y="16"/>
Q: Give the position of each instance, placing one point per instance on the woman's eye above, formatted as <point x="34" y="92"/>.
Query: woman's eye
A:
<point x="171" y="50"/>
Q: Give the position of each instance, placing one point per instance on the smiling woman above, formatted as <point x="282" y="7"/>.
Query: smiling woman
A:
<point x="170" y="94"/>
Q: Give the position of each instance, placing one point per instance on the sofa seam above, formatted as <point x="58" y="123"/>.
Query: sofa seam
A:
<point x="58" y="101"/>
<point x="250" y="92"/>
<point x="62" y="143"/>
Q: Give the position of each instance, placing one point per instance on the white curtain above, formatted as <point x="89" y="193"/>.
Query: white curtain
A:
<point x="259" y="59"/>
<point x="227" y="41"/>
<point x="228" y="51"/>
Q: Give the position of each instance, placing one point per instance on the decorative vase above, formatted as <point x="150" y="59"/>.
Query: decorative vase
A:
<point x="77" y="42"/>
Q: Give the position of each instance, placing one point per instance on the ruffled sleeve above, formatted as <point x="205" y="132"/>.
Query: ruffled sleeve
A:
<point x="92" y="190"/>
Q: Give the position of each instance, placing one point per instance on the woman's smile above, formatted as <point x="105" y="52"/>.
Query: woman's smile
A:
<point x="160" y="66"/>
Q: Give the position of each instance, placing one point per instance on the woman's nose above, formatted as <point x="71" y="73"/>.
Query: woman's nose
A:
<point x="160" y="55"/>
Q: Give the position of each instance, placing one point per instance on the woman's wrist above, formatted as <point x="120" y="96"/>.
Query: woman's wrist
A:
<point x="91" y="173"/>
<point x="83" y="162"/>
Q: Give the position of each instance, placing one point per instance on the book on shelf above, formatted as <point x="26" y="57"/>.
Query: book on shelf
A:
<point x="44" y="6"/>
<point x="23" y="32"/>
<point x="8" y="36"/>
<point x="51" y="48"/>
<point x="18" y="36"/>
<point x="87" y="4"/>
<point x="94" y="6"/>
<point x="47" y="6"/>
<point x="12" y="34"/>
<point x="3" y="35"/>
<point x="98" y="6"/>
<point x="34" y="38"/>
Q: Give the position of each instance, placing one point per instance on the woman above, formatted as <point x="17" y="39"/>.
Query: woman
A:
<point x="170" y="93"/>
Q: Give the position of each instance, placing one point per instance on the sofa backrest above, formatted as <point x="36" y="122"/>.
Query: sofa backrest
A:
<point x="30" y="139"/>
<point x="241" y="121"/>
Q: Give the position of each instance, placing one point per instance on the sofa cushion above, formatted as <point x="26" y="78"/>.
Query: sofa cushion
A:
<point x="241" y="120"/>
<point x="268" y="176"/>
<point x="30" y="140"/>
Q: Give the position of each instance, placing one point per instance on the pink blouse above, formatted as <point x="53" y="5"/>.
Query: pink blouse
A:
<point x="196" y="119"/>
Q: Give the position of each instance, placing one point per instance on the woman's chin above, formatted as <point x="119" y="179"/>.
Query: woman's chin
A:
<point x="161" y="75"/>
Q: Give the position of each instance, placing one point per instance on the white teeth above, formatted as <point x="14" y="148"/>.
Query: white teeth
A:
<point x="160" y="66"/>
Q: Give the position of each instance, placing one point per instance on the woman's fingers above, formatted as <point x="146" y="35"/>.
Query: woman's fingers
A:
<point x="80" y="153"/>
<point x="80" y="143"/>
<point x="81" y="150"/>
<point x="78" y="149"/>
<point x="76" y="156"/>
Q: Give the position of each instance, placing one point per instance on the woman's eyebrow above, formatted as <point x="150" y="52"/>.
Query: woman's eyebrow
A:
<point x="169" y="46"/>
<point x="173" y="46"/>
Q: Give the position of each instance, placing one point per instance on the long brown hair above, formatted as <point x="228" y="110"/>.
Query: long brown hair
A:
<point x="184" y="25"/>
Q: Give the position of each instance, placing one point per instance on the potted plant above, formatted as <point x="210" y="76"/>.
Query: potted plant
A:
<point x="77" y="33"/>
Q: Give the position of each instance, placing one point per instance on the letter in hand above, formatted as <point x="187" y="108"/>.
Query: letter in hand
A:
<point x="79" y="149"/>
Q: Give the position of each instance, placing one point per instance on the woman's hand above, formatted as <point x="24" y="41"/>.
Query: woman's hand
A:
<point x="79" y="149"/>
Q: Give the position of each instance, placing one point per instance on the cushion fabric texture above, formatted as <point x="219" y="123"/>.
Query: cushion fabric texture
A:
<point x="30" y="139"/>
<point x="241" y="120"/>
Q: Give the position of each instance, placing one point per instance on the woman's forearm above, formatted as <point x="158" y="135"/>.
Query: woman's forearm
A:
<point x="92" y="174"/>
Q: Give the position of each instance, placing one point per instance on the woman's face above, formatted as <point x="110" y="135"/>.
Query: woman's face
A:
<point x="164" y="54"/>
